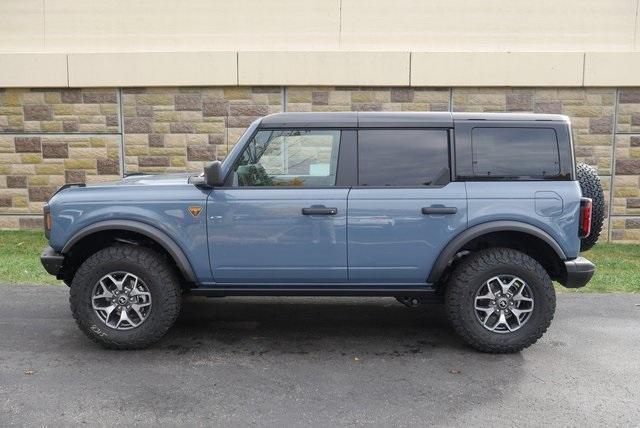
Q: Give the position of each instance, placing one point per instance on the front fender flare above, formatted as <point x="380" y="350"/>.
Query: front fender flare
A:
<point x="149" y="231"/>
<point x="447" y="254"/>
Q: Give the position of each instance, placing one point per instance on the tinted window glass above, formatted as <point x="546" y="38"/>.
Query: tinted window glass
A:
<point x="403" y="157"/>
<point x="515" y="152"/>
<point x="292" y="157"/>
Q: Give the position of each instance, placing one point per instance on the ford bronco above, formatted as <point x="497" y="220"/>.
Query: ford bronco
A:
<point x="480" y="211"/>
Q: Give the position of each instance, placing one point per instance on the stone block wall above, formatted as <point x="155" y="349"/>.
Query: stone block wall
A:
<point x="367" y="99"/>
<point x="58" y="111"/>
<point x="176" y="129"/>
<point x="625" y="209"/>
<point x="33" y="167"/>
<point x="49" y="137"/>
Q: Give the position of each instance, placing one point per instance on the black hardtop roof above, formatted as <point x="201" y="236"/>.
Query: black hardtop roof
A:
<point x="393" y="119"/>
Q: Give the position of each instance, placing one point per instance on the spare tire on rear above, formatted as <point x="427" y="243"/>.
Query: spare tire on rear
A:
<point x="592" y="188"/>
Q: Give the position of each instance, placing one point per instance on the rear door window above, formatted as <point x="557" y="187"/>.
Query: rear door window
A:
<point x="515" y="152"/>
<point x="403" y="157"/>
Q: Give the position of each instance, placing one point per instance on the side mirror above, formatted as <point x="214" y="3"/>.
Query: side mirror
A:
<point x="213" y="174"/>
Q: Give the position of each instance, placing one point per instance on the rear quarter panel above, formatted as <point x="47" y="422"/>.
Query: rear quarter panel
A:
<point x="552" y="206"/>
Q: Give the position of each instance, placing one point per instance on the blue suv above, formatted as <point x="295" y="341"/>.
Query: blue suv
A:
<point x="479" y="211"/>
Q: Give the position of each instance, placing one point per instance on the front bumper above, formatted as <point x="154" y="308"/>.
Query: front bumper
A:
<point x="579" y="272"/>
<point x="52" y="261"/>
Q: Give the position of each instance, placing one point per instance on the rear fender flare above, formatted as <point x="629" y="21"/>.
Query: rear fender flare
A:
<point x="474" y="232"/>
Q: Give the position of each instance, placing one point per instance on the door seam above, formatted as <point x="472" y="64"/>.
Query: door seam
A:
<point x="346" y="222"/>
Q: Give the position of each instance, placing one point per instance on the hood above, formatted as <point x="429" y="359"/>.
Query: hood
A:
<point x="134" y="187"/>
<point x="153" y="179"/>
<point x="132" y="180"/>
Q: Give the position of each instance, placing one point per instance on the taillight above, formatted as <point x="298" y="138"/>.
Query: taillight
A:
<point x="585" y="217"/>
<point x="47" y="221"/>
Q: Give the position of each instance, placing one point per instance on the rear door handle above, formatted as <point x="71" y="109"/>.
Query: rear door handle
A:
<point x="319" y="211"/>
<point x="439" y="210"/>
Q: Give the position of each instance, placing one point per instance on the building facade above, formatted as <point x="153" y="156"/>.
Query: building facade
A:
<point x="90" y="91"/>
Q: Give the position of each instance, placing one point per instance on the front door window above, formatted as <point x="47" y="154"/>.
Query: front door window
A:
<point x="289" y="158"/>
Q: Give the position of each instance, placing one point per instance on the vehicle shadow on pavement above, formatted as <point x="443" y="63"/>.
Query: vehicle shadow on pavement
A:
<point x="362" y="326"/>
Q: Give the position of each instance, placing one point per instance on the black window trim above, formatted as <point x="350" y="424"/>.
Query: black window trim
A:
<point x="450" y="155"/>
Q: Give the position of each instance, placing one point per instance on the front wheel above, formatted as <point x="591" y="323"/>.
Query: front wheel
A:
<point x="500" y="300"/>
<point x="125" y="297"/>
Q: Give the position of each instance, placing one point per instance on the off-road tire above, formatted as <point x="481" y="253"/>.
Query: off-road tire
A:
<point x="477" y="268"/>
<point x="149" y="266"/>
<point x="592" y="188"/>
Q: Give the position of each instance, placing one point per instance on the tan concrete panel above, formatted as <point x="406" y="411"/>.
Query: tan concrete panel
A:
<point x="21" y="25"/>
<point x="636" y="41"/>
<point x="612" y="69"/>
<point x="323" y="68"/>
<point x="33" y="70"/>
<point x="496" y="69"/>
<point x="153" y="69"/>
<point x="196" y="25"/>
<point x="489" y="25"/>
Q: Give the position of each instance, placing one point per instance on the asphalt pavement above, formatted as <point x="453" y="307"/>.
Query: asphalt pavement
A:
<point x="317" y="362"/>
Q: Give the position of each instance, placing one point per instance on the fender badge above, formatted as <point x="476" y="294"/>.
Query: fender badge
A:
<point x="195" y="211"/>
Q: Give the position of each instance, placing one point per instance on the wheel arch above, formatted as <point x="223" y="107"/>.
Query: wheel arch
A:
<point x="498" y="229"/>
<point x="161" y="239"/>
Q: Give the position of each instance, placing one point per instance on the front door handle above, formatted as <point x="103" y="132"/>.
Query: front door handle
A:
<point x="319" y="211"/>
<point x="439" y="210"/>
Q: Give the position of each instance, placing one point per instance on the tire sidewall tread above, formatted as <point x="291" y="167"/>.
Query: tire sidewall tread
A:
<point x="160" y="279"/>
<point x="473" y="271"/>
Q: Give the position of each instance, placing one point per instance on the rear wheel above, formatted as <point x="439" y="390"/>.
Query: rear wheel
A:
<point x="592" y="188"/>
<point x="500" y="300"/>
<point x="125" y="297"/>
